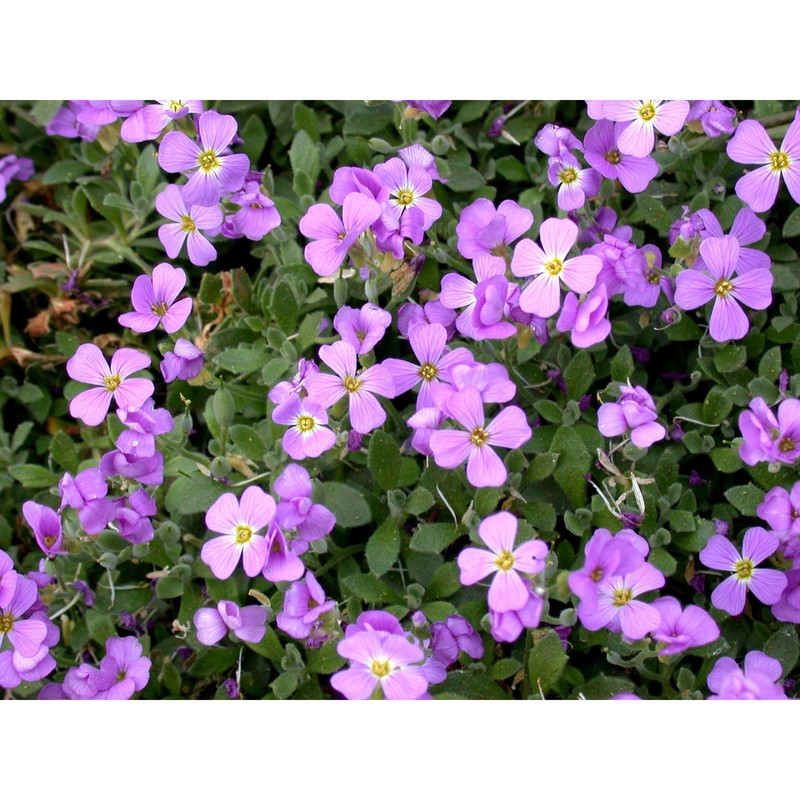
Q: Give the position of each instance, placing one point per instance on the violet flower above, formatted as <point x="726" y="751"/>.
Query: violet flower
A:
<point x="153" y="299"/>
<point x="556" y="141"/>
<point x="307" y="437"/>
<point x="296" y="385"/>
<point x="296" y="510"/>
<point x="303" y="605"/>
<point x="133" y="516"/>
<point x="453" y="636"/>
<point x="574" y="183"/>
<point x="123" y="672"/>
<point x="787" y="609"/>
<point x="248" y="624"/>
<point x="634" y="412"/>
<point x="185" y="362"/>
<point x="88" y="365"/>
<point x="482" y="229"/>
<point x="148" y="122"/>
<point x="766" y="584"/>
<point x="751" y="144"/>
<point x="747" y="228"/>
<point x="714" y="117"/>
<point x="433" y="107"/>
<point x="758" y="680"/>
<point x="46" y="526"/>
<point x="585" y="319"/>
<point x="645" y="118"/>
<point x="188" y="225"/>
<point x="362" y="327"/>
<point x="680" y="629"/>
<point x="143" y="425"/>
<point x="767" y="438"/>
<point x="87" y="492"/>
<point x="603" y="153"/>
<point x="407" y="189"/>
<point x="506" y="626"/>
<point x="257" y="215"/>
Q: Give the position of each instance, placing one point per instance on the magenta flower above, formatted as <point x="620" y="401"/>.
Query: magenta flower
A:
<point x="303" y="605"/>
<point x="46" y="526"/>
<point x="296" y="510"/>
<point x="143" y="424"/>
<point x="88" y="365"/>
<point x="506" y="626"/>
<point x="766" y="584"/>
<point x="26" y="636"/>
<point x="550" y="265"/>
<point x="491" y="380"/>
<point x="247" y="624"/>
<point x="411" y="314"/>
<point x="148" y="470"/>
<point x="645" y="118"/>
<point x="781" y="509"/>
<point x="296" y="385"/>
<point x="8" y="579"/>
<point x="211" y="174"/>
<point x="767" y="438"/>
<point x="603" y="153"/>
<point x="257" y="215"/>
<point x="283" y="562"/>
<point x="753" y="289"/>
<point x="681" y="629"/>
<point x="154" y="301"/>
<point x="307" y="437"/>
<point x="104" y="112"/>
<point x="366" y="413"/>
<point x="556" y="141"/>
<point x="407" y="189"/>
<point x="148" y="122"/>
<point x="87" y="492"/>
<point x="787" y="609"/>
<point x="433" y="107"/>
<point x="751" y="145"/>
<point x="616" y="607"/>
<point x="417" y="155"/>
<point x="133" y="516"/>
<point x="759" y="680"/>
<point x="574" y="183"/>
<point x="474" y="445"/>
<point x="187" y="226"/>
<point x="239" y="522"/>
<point x="714" y="117"/>
<point x="362" y="327"/>
<point x="453" y="636"/>
<point x="508" y="591"/>
<point x="585" y="319"/>
<point x="382" y="665"/>
<point x="428" y="344"/>
<point x="634" y="412"/>
<point x="122" y="672"/>
<point x="184" y="362"/>
<point x="65" y="123"/>
<point x="334" y="236"/>
<point x="482" y="229"/>
<point x="747" y="228"/>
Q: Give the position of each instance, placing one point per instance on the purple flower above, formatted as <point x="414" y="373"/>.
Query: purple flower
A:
<point x="508" y="591"/>
<point x="453" y="636"/>
<point x="411" y="314"/>
<point x="285" y="389"/>
<point x="574" y="184"/>
<point x="26" y="636"/>
<point x="88" y="365"/>
<point x="238" y="521"/>
<point x="381" y="664"/>
<point x="211" y="174"/>
<point x="307" y="437"/>
<point x="148" y="122"/>
<point x="766" y="584"/>
<point x="362" y="328"/>
<point x="8" y="579"/>
<point x="87" y="492"/>
<point x="433" y="107"/>
<point x="86" y="592"/>
<point x="257" y="215"/>
<point x="303" y="605"/>
<point x="482" y="229"/>
<point x="104" y="112"/>
<point x="714" y="117"/>
<point x="787" y="609"/>
<point x="603" y="153"/>
<point x="297" y="511"/>
<point x="247" y="624"/>
<point x="154" y="301"/>
<point x="550" y="265"/>
<point x="428" y="344"/>
<point x="133" y="516"/>
<point x="645" y="118"/>
<point x="753" y="289"/>
<point x="681" y="629"/>
<point x="491" y="380"/>
<point x="366" y="413"/>
<point x="474" y="445"/>
<point x="506" y="626"/>
<point x="634" y="412"/>
<point x="585" y="319"/>
<point x="122" y="672"/>
<point x="334" y="236"/>
<point x="644" y="281"/>
<point x="46" y="526"/>
<point x="747" y="228"/>
<point x="758" y="681"/>
<point x="751" y="145"/>
<point x="556" y="142"/>
<point x="417" y="155"/>
<point x="185" y="362"/>
<point x="143" y="424"/>
<point x="188" y="225"/>
<point x="616" y="607"/>
<point x="407" y="189"/>
<point x="767" y="438"/>
<point x="148" y="471"/>
<point x="781" y="510"/>
<point x="11" y="168"/>
<point x="65" y="123"/>
<point x="283" y="562"/>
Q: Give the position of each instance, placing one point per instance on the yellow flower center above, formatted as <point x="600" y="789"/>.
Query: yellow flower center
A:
<point x="723" y="287"/>
<point x="568" y="175"/>
<point x="187" y="224"/>
<point x="380" y="669"/>
<point x="112" y="382"/>
<point x="6" y="623"/>
<point x="305" y="423"/>
<point x="208" y="161"/>
<point x="479" y="437"/>
<point x="256" y="206"/>
<point x="646" y="112"/>
<point x="428" y="371"/>
<point x="121" y="675"/>
<point x="49" y="540"/>
<point x="622" y="597"/>
<point x="504" y="561"/>
<point x="654" y="278"/>
<point x="743" y="569"/>
<point x="159" y="309"/>
<point x="597" y="575"/>
<point x="553" y="266"/>
<point x="244" y="533"/>
<point x="786" y="445"/>
<point x="405" y="197"/>
<point x="613" y="156"/>
<point x="779" y="161"/>
<point x="175" y="106"/>
<point x="351" y="383"/>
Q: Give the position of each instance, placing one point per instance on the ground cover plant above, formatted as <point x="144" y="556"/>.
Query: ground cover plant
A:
<point x="399" y="399"/>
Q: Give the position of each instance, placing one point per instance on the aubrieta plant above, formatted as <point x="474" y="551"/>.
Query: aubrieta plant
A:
<point x="411" y="399"/>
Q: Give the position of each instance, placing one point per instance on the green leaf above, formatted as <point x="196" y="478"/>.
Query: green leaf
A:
<point x="304" y="155"/>
<point x="169" y="587"/>
<point x="745" y="499"/>
<point x="255" y="138"/>
<point x="419" y="501"/>
<point x="770" y="365"/>
<point x="445" y="582"/>
<point x="464" y="178"/>
<point x="64" y="452"/>
<point x="100" y="626"/>
<point x="148" y="173"/>
<point x="622" y="365"/>
<point x="505" y="668"/>
<point x="247" y="441"/>
<point x="731" y="358"/>
<point x="546" y="662"/>
<point x="309" y="330"/>
<point x="783" y="645"/>
<point x="369" y="588"/>
<point x="792" y="225"/>
<point x="604" y="687"/>
<point x="65" y="172"/>
<point x="213" y="662"/>
<point x="44" y="110"/>
<point x="283" y="307"/>
<point x="242" y="360"/>
<point x="540" y="514"/>
<point x="269" y="647"/>
<point x="486" y="501"/>
<point x="685" y="680"/>
<point x="347" y="504"/>
<point x="716" y="406"/>
<point x="326" y="660"/>
<point x="32" y="476"/>
<point x="384" y="459"/>
<point x="541" y="467"/>
<point x="579" y="375"/>
<point x="210" y="291"/>
<point x="434" y="537"/>
<point x="726" y="459"/>
<point x="662" y="561"/>
<point x="654" y="213"/>
<point x="284" y="686"/>
<point x="383" y="547"/>
<point x="192" y="495"/>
